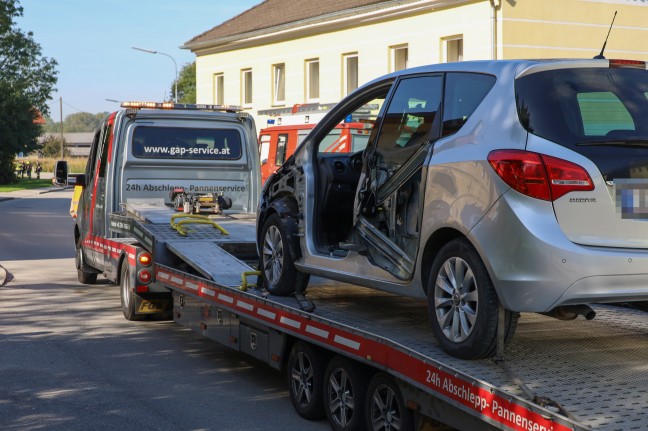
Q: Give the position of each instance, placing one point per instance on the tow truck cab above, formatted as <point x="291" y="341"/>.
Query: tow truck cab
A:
<point x="139" y="155"/>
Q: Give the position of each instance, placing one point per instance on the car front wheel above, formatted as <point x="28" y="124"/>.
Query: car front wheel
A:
<point x="279" y="273"/>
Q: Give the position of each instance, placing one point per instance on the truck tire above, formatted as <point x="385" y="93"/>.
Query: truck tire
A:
<point x="279" y="273"/>
<point x="385" y="407"/>
<point x="84" y="276"/>
<point x="462" y="303"/>
<point x="128" y="300"/>
<point x="305" y="372"/>
<point x="345" y="385"/>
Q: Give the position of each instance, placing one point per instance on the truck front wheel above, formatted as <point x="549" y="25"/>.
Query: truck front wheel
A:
<point x="84" y="276"/>
<point x="279" y="273"/>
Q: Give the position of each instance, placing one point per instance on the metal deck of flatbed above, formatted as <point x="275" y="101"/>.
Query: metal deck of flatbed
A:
<point x="597" y="370"/>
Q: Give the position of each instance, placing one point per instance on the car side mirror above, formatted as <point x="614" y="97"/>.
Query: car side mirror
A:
<point x="60" y="173"/>
<point x="80" y="180"/>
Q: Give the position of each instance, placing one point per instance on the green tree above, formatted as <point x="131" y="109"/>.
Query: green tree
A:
<point x="52" y="146"/>
<point x="186" y="84"/>
<point x="27" y="80"/>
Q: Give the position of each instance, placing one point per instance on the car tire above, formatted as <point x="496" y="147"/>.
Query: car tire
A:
<point x="463" y="305"/>
<point x="84" y="276"/>
<point x="127" y="295"/>
<point x="279" y="274"/>
<point x="345" y="386"/>
<point x="305" y="373"/>
<point x="385" y="407"/>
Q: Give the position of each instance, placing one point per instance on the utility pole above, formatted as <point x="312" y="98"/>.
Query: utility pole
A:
<point x="62" y="141"/>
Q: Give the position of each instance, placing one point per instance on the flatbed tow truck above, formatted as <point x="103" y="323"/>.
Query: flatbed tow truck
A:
<point x="556" y="375"/>
<point x="362" y="358"/>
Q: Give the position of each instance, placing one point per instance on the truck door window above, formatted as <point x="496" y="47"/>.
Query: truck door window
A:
<point x="264" y="149"/>
<point x="282" y="141"/>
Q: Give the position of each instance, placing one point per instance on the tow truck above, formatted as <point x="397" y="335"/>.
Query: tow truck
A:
<point x="361" y="358"/>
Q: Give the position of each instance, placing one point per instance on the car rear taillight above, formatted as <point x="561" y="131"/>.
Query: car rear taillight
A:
<point x="538" y="175"/>
<point x="635" y="64"/>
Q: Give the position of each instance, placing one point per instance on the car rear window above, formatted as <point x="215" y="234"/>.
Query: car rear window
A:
<point x="186" y="143"/>
<point x="578" y="106"/>
<point x="598" y="112"/>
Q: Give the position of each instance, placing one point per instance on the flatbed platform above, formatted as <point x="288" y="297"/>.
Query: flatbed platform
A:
<point x="597" y="370"/>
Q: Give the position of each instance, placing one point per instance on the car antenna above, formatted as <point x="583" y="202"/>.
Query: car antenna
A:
<point x="601" y="56"/>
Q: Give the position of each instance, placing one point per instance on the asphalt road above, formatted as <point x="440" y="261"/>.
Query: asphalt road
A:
<point x="70" y="361"/>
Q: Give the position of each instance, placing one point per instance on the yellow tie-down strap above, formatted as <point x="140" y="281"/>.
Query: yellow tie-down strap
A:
<point x="244" y="282"/>
<point x="193" y="219"/>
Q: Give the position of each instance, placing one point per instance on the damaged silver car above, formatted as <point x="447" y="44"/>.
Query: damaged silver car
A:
<point x="489" y="188"/>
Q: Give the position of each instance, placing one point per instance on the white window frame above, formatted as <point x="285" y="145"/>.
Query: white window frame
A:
<point x="219" y="88"/>
<point x="452" y="49"/>
<point x="312" y="80"/>
<point x="398" y="57"/>
<point x="246" y="88"/>
<point x="350" y="72"/>
<point x="279" y="84"/>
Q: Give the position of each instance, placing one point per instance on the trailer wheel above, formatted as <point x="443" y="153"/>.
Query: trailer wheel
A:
<point x="279" y="273"/>
<point x="462" y="303"/>
<point x="345" y="384"/>
<point x="305" y="371"/>
<point x="84" y="276"/>
<point x="385" y="409"/>
<point x="127" y="294"/>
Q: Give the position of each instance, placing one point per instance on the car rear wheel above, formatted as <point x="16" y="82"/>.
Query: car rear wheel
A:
<point x="463" y="305"/>
<point x="84" y="276"/>
<point x="279" y="273"/>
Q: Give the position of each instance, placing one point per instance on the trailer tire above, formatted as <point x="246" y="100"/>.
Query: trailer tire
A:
<point x="305" y="373"/>
<point x="278" y="270"/>
<point x="345" y="385"/>
<point x="385" y="407"/>
<point x="127" y="295"/>
<point x="84" y="276"/>
<point x="462" y="303"/>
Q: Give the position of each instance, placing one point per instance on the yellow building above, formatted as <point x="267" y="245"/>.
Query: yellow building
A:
<point x="285" y="52"/>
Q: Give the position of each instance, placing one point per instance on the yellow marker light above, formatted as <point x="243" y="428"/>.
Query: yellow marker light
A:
<point x="144" y="259"/>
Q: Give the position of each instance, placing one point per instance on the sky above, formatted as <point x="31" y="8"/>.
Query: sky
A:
<point x="92" y="42"/>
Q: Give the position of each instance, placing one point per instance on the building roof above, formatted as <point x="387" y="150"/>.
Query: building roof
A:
<point x="276" y="13"/>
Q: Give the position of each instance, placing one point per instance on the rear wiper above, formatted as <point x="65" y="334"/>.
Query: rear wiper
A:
<point x="615" y="143"/>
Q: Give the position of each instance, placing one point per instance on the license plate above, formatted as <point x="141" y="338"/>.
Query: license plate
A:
<point x="151" y="306"/>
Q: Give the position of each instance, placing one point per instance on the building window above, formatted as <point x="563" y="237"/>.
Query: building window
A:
<point x="312" y="80"/>
<point x="453" y="49"/>
<point x="398" y="57"/>
<point x="219" y="89"/>
<point x="246" y="87"/>
<point x="279" y="80"/>
<point x="350" y="64"/>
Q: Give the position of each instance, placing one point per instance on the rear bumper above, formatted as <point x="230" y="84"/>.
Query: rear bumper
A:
<point x="535" y="268"/>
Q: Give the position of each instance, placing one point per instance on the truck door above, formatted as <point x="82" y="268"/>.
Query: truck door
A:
<point x="98" y="209"/>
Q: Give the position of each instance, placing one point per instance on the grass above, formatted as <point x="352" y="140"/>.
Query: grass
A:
<point x="24" y="184"/>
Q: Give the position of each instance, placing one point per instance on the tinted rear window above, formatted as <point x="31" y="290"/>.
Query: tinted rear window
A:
<point x="186" y="143"/>
<point x="600" y="113"/>
<point x="578" y="106"/>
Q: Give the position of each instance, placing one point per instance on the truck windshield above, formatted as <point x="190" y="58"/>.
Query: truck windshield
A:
<point x="186" y="143"/>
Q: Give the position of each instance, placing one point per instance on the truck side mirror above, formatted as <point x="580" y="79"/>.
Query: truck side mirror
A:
<point x="60" y="173"/>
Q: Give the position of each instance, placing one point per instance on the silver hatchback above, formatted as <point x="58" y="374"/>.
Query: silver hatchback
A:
<point x="512" y="186"/>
